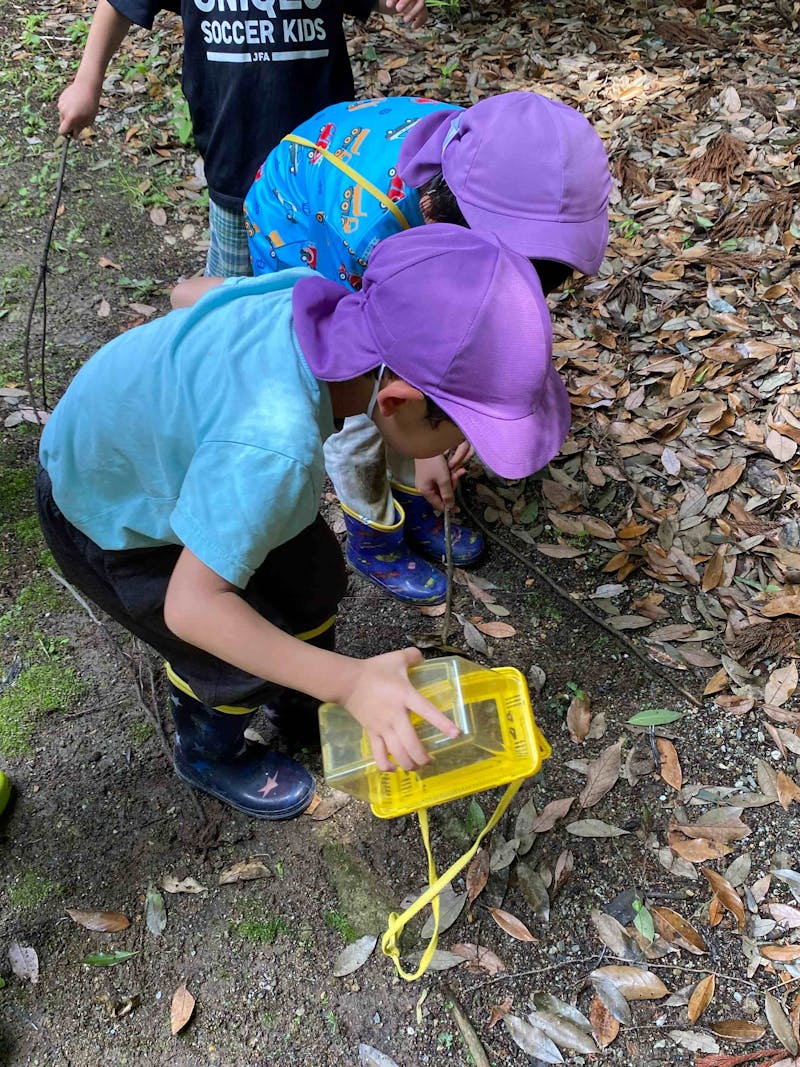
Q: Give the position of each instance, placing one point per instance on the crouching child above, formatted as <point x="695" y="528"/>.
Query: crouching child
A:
<point x="181" y="475"/>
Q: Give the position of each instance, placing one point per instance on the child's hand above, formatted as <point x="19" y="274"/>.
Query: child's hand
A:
<point x="412" y="12"/>
<point x="381" y="698"/>
<point x="77" y="107"/>
<point x="437" y="478"/>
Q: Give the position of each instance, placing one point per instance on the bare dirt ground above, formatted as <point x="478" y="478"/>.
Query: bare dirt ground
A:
<point x="98" y="816"/>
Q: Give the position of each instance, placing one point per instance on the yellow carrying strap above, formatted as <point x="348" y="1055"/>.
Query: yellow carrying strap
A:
<point x="390" y="942"/>
<point x="373" y="190"/>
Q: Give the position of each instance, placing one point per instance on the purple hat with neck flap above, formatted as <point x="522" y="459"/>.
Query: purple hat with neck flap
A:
<point x="531" y="170"/>
<point x="461" y="318"/>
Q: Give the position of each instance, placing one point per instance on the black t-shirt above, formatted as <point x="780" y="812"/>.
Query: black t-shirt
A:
<point x="250" y="75"/>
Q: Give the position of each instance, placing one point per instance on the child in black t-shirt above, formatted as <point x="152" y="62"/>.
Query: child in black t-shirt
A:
<point x="249" y="76"/>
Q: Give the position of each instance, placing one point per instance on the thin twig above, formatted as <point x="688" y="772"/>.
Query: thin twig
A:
<point x="41" y="284"/>
<point x="509" y="975"/>
<point x="448" y="602"/>
<point x="73" y="592"/>
<point x="653" y="668"/>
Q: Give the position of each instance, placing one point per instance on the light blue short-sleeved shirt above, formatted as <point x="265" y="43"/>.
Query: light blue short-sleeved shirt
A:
<point x="203" y="428"/>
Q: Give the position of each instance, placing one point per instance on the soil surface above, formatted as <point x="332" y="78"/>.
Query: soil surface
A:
<point x="98" y="815"/>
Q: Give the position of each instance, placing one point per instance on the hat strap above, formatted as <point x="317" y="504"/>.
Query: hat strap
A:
<point x="375" y="390"/>
<point x="453" y="131"/>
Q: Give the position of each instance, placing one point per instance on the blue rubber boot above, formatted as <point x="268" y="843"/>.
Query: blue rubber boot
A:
<point x="425" y="529"/>
<point x="211" y="754"/>
<point x="381" y="554"/>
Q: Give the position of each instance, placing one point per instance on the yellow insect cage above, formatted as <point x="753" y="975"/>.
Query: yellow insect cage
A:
<point x="499" y="744"/>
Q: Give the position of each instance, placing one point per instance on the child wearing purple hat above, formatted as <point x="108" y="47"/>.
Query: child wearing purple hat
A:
<point x="182" y="469"/>
<point x="528" y="169"/>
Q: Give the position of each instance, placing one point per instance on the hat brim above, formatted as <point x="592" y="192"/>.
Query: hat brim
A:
<point x="515" y="448"/>
<point x="581" y="245"/>
<point x="420" y="157"/>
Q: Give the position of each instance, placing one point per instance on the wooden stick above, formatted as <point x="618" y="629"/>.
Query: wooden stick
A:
<point x="41" y="284"/>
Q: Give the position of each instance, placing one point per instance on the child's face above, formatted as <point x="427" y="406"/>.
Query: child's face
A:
<point x="406" y="428"/>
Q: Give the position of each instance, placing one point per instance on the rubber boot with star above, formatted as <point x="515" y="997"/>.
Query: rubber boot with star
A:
<point x="212" y="754"/>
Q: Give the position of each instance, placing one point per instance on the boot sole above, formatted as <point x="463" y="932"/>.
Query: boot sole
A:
<point x="289" y="813"/>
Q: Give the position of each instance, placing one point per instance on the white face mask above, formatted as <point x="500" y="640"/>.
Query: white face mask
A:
<point x="375" y="390"/>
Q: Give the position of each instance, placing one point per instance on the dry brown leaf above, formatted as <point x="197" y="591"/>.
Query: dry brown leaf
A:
<point x="737" y="1030"/>
<point x="433" y="611"/>
<point x="602" y="775"/>
<point x="780" y="685"/>
<point x="604" y="1025"/>
<point x="780" y="953"/>
<point x="24" y="962"/>
<point x="714" y="570"/>
<point x="788" y="790"/>
<point x="245" y="871"/>
<point x="479" y="958"/>
<point x="726" y="894"/>
<point x="562" y="871"/>
<point x="579" y="717"/>
<point x="513" y="926"/>
<point x="496" y="629"/>
<point x="782" y="605"/>
<point x="181" y="1009"/>
<point x="716" y="912"/>
<point x="559" y="551"/>
<point x="785" y="915"/>
<point x="552" y="812"/>
<point x="725" y="479"/>
<point x="696" y="850"/>
<point x="171" y="884"/>
<point x="634" y="983"/>
<point x="329" y="805"/>
<point x="478" y="874"/>
<point x="670" y="764"/>
<point x="720" y="824"/>
<point x="677" y="931"/>
<point x="103" y="921"/>
<point x="702" y="995"/>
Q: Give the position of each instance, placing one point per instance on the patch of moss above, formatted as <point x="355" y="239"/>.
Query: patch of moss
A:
<point x="30" y="890"/>
<point x="363" y="899"/>
<point x="39" y="688"/>
<point x="341" y="925"/>
<point x="141" y="731"/>
<point x="28" y="531"/>
<point x="262" y="931"/>
<point x="41" y="596"/>
<point x="16" y="493"/>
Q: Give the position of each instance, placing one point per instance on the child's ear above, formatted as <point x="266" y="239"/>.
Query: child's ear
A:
<point x="395" y="394"/>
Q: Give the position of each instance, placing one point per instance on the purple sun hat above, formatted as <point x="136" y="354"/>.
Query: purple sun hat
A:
<point x="531" y="170"/>
<point x="461" y="318"/>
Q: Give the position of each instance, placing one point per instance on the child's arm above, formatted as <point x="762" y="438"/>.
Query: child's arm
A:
<point x="411" y="11"/>
<point x="208" y="612"/>
<point x="188" y="292"/>
<point x="79" y="102"/>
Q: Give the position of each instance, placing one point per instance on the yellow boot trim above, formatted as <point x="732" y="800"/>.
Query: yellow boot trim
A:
<point x="309" y="635"/>
<point x="184" y="687"/>
<point x="411" y="489"/>
<point x="384" y="527"/>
